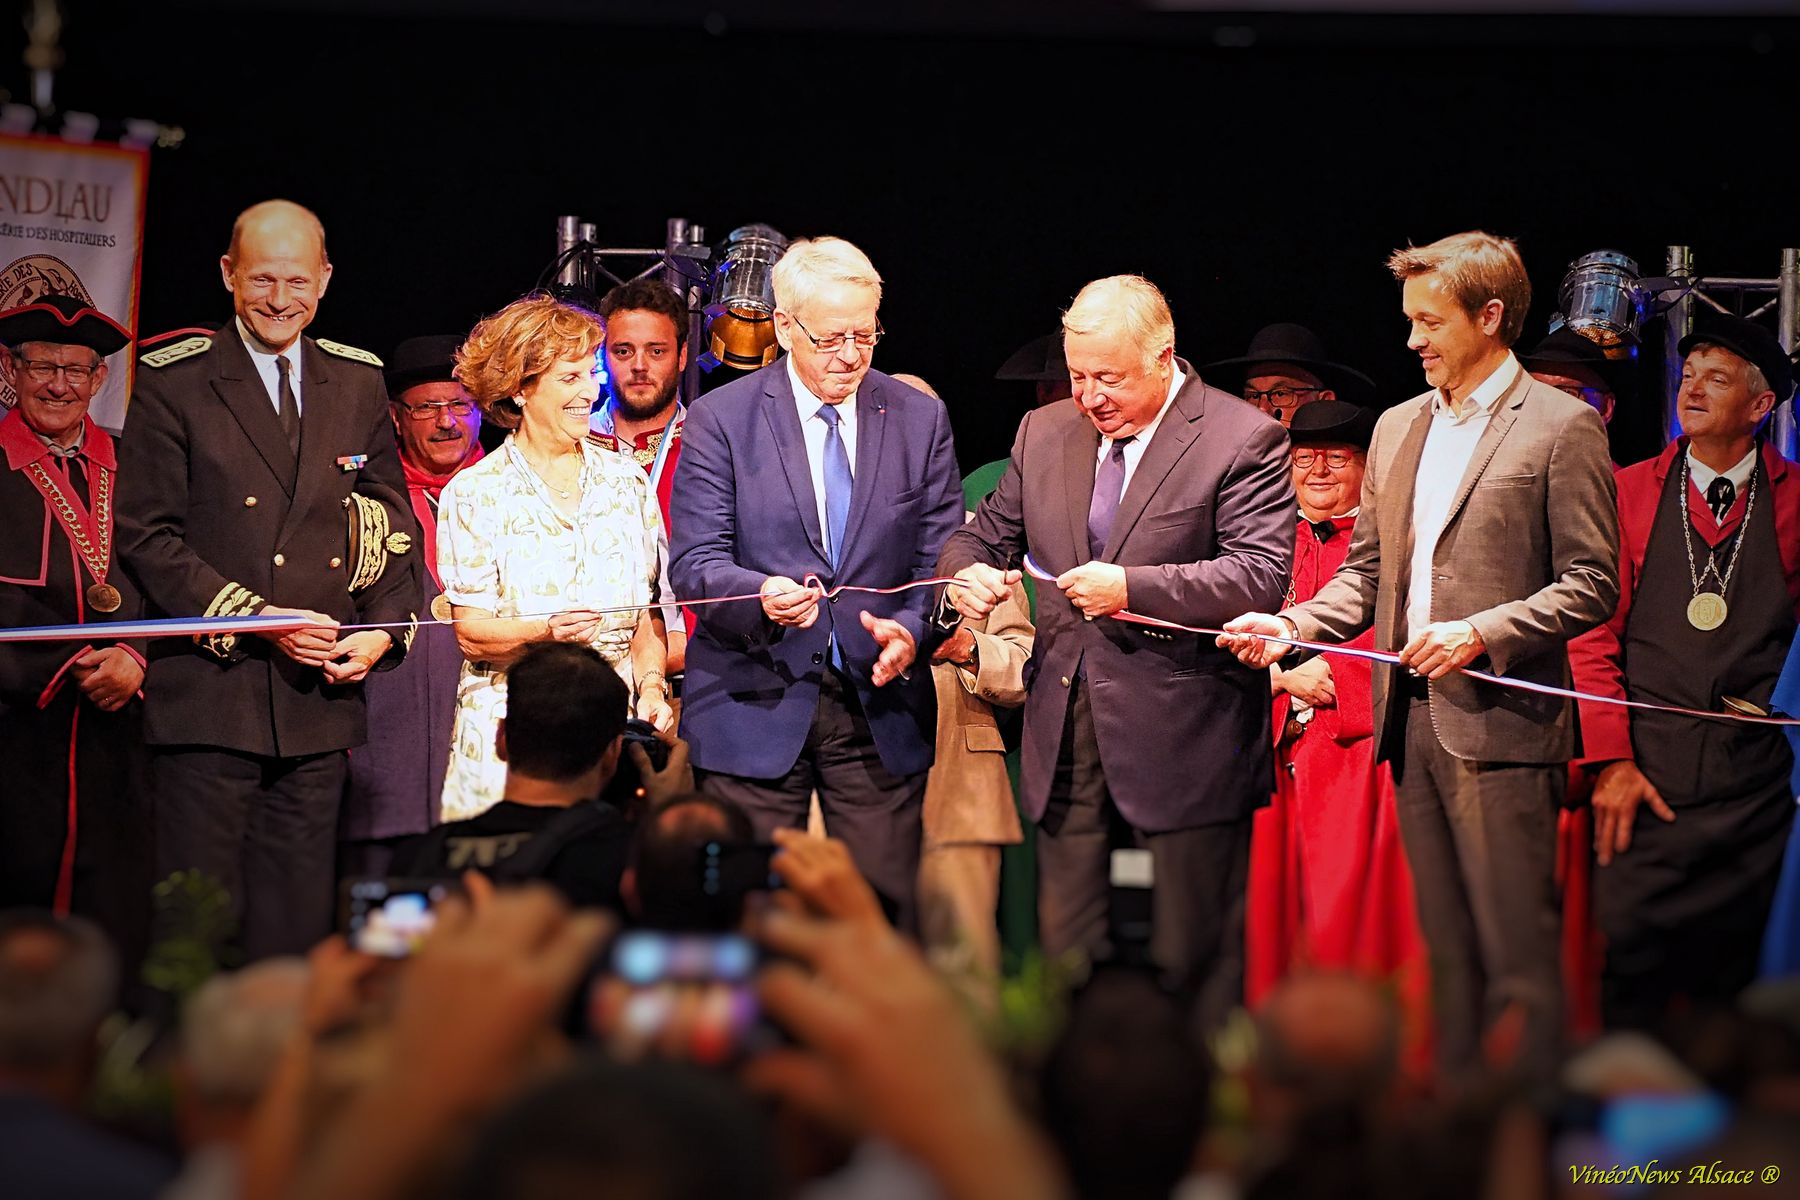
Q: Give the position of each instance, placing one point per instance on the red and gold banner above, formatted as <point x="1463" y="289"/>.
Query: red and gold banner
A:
<point x="72" y="224"/>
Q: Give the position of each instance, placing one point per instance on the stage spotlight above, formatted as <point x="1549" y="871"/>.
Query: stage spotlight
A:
<point x="1601" y="299"/>
<point x="741" y="315"/>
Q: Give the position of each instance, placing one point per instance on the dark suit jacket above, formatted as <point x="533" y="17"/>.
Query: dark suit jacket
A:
<point x="216" y="518"/>
<point x="1205" y="532"/>
<point x="743" y="509"/>
<point x="1529" y="555"/>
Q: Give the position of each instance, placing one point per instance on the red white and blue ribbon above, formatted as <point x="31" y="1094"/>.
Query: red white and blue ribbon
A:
<point x="1393" y="660"/>
<point x="205" y="626"/>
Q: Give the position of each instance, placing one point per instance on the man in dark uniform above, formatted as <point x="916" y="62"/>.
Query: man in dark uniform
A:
<point x="242" y="456"/>
<point x="73" y="824"/>
<point x="397" y="778"/>
<point x="1691" y="816"/>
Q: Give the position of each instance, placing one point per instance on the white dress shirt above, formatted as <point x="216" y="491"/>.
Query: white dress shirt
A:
<point x="1703" y="475"/>
<point x="1134" y="449"/>
<point x="1449" y="445"/>
<point x="813" y="430"/>
<point x="264" y="360"/>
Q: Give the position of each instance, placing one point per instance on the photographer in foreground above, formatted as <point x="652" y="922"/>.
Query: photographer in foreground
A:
<point x="560" y="819"/>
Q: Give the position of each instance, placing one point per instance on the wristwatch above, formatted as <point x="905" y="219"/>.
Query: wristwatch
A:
<point x="974" y="663"/>
<point x="1293" y="632"/>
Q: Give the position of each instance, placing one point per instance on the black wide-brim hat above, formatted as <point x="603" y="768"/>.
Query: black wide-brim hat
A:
<point x="63" y="321"/>
<point x="417" y="360"/>
<point x="1749" y="341"/>
<point x="1332" y="423"/>
<point x="1289" y="343"/>
<point x="1563" y="349"/>
<point x="1038" y="361"/>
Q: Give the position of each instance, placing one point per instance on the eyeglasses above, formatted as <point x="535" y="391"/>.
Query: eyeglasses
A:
<point x="1281" y="397"/>
<point x="429" y="411"/>
<point x="1588" y="395"/>
<point x="43" y="372"/>
<point x="1337" y="460"/>
<point x="833" y="342"/>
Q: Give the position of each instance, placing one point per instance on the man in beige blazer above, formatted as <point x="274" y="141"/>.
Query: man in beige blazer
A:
<point x="969" y="809"/>
<point x="1487" y="538"/>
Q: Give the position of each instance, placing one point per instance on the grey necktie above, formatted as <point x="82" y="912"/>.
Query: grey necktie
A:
<point x="289" y="410"/>
<point x="1109" y="487"/>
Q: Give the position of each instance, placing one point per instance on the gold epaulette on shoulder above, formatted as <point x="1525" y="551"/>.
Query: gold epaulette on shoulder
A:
<point x="349" y="352"/>
<point x="186" y="348"/>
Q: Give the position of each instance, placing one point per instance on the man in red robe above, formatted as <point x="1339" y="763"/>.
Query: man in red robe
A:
<point x="1691" y="816"/>
<point x="396" y="779"/>
<point x="73" y="825"/>
<point x="1329" y="885"/>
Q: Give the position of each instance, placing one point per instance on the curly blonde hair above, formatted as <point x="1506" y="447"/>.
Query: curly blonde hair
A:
<point x="505" y="353"/>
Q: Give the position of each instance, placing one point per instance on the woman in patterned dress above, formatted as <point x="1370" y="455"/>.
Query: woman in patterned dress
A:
<point x="538" y="540"/>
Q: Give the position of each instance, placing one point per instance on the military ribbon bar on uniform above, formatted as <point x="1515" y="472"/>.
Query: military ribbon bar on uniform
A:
<point x="352" y="462"/>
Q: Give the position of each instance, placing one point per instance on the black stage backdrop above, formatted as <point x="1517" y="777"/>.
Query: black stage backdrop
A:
<point x="1258" y="169"/>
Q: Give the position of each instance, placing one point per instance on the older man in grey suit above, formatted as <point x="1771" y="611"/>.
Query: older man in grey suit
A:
<point x="1157" y="493"/>
<point x="1487" y="537"/>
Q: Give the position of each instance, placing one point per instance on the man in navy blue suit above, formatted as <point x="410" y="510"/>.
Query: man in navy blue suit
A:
<point x="816" y="465"/>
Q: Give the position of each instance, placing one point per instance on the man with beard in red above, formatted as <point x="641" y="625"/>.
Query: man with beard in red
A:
<point x="646" y="353"/>
<point x="397" y="778"/>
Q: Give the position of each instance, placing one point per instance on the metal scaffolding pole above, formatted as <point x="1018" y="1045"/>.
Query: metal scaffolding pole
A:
<point x="1679" y="322"/>
<point x="1787" y="328"/>
<point x="692" y="290"/>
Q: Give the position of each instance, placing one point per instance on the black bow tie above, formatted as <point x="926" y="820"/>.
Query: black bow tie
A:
<point x="1720" y="496"/>
<point x="1324" y="530"/>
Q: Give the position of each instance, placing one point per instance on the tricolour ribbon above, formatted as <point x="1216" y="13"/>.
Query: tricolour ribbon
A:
<point x="190" y="626"/>
<point x="1382" y="656"/>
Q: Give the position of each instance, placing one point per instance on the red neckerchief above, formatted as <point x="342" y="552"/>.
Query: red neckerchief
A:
<point x="88" y="526"/>
<point x="425" y="489"/>
<point x="420" y="480"/>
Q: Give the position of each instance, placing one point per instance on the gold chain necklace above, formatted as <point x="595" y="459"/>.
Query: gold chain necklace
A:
<point x="1707" y="610"/>
<point x="102" y="597"/>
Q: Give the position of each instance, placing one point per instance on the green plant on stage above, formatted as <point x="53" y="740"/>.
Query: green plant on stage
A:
<point x="195" y="924"/>
<point x="193" y="918"/>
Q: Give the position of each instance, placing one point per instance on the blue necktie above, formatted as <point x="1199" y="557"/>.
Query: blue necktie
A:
<point x="838" y="482"/>
<point x="1109" y="488"/>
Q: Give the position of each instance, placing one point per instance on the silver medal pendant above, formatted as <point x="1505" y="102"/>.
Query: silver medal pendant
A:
<point x="1707" y="611"/>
